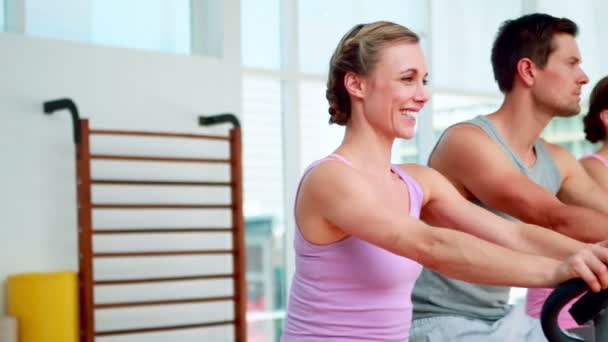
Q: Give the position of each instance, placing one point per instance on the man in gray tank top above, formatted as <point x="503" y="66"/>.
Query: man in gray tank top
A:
<point x="499" y="162"/>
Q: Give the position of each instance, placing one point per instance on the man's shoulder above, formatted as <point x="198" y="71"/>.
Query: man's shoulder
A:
<point x="465" y="149"/>
<point x="556" y="151"/>
<point x="465" y="128"/>
<point x="464" y="135"/>
<point x="552" y="147"/>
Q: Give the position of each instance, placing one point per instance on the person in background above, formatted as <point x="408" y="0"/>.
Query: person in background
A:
<point x="596" y="125"/>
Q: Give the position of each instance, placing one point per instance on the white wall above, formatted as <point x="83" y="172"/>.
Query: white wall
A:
<point x="115" y="88"/>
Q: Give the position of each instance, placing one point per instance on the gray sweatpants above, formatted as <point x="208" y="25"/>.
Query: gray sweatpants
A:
<point x="516" y="326"/>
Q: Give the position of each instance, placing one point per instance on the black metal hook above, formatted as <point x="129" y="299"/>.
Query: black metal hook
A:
<point x="49" y="107"/>
<point x="219" y="119"/>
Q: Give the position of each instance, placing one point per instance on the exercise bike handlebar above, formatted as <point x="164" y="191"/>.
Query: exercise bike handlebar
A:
<point x="584" y="310"/>
<point x="561" y="296"/>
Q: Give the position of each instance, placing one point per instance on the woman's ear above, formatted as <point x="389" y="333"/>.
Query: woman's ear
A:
<point x="604" y="118"/>
<point x="526" y="70"/>
<point x="354" y="84"/>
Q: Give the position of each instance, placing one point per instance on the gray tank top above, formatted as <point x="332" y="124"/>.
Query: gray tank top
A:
<point x="435" y="294"/>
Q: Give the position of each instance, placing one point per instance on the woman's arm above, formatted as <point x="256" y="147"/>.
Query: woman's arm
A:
<point x="345" y="199"/>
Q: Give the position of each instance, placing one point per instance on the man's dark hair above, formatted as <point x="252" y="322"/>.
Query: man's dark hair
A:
<point x="529" y="36"/>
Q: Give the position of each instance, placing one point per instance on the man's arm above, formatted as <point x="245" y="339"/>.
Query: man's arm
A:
<point x="446" y="207"/>
<point x="471" y="160"/>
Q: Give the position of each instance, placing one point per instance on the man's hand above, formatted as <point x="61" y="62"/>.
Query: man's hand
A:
<point x="588" y="264"/>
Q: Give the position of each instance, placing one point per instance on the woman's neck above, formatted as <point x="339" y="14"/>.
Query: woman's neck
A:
<point x="368" y="150"/>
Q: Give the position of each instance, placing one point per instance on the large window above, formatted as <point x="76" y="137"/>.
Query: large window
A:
<point x="264" y="176"/>
<point x="451" y="108"/>
<point x="569" y="133"/>
<point x="260" y="34"/>
<point x="264" y="208"/>
<point x="319" y="138"/>
<point x="2" y="17"/>
<point x="461" y="44"/>
<point x="322" y="24"/>
<point x="158" y="25"/>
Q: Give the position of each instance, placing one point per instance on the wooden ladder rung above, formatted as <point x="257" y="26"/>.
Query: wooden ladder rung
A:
<point x="158" y="134"/>
<point x="161" y="231"/>
<point x="160" y="206"/>
<point x="161" y="253"/>
<point x="165" y="328"/>
<point x="160" y="159"/>
<point x="161" y="279"/>
<point x="163" y="302"/>
<point x="156" y="182"/>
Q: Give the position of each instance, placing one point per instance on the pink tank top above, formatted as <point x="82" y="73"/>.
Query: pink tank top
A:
<point x="351" y="290"/>
<point x="534" y="305"/>
<point x="598" y="157"/>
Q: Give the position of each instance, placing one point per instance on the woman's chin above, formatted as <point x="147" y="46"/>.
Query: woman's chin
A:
<point x="407" y="135"/>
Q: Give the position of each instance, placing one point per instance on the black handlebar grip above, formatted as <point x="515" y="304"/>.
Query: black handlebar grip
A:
<point x="554" y="304"/>
<point x="588" y="306"/>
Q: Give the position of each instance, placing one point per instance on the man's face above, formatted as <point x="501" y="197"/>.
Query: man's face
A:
<point x="558" y="85"/>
